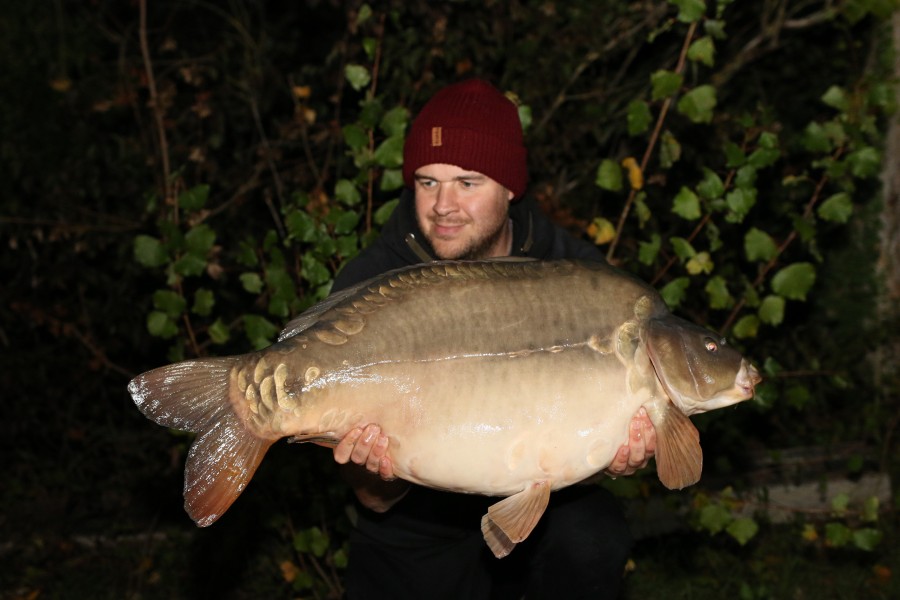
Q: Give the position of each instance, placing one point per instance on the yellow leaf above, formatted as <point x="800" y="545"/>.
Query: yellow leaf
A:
<point x="289" y="571"/>
<point x="301" y="92"/>
<point x="809" y="533"/>
<point x="61" y="84"/>
<point x="601" y="231"/>
<point x="635" y="175"/>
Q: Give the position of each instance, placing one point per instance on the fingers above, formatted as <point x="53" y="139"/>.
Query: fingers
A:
<point x="640" y="448"/>
<point x="366" y="446"/>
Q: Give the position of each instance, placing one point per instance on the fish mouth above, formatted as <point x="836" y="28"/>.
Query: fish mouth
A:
<point x="747" y="379"/>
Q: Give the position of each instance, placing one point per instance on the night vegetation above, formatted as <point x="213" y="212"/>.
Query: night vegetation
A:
<point x="180" y="178"/>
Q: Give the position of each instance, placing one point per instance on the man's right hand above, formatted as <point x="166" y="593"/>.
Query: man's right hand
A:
<point x="369" y="469"/>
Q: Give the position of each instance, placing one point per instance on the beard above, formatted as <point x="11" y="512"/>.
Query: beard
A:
<point x="477" y="248"/>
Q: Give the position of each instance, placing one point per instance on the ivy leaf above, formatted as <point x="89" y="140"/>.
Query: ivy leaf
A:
<point x="835" y="97"/>
<point x="358" y="76"/>
<point x="346" y="222"/>
<point x="194" y="198"/>
<point x="715" y="518"/>
<point x="601" y="231"/>
<point x="664" y="84"/>
<point x="742" y="529"/>
<point x="673" y="293"/>
<point x="394" y="122"/>
<point x="794" y="281"/>
<point x="246" y="255"/>
<point x="865" y="162"/>
<point x="260" y="331"/>
<point x="690" y="10"/>
<point x="524" y="116"/>
<point x="346" y="192"/>
<point x="313" y="270"/>
<point x="355" y="136"/>
<point x="700" y="263"/>
<point x="251" y="282"/>
<point x="641" y="210"/>
<point x="347" y="245"/>
<point x="170" y="302"/>
<point x="218" y="332"/>
<point x="301" y="226"/>
<point x="739" y="203"/>
<point x="836" y="208"/>
<point x="647" y="251"/>
<point x="204" y="300"/>
<point x="837" y="535"/>
<point x="669" y="150"/>
<point x="200" y="239"/>
<point x="686" y="204"/>
<point x="815" y="139"/>
<point x="698" y="104"/>
<point x="639" y="117"/>
<point x="763" y="157"/>
<point x="759" y="245"/>
<point x="609" y="175"/>
<point x="391" y="179"/>
<point x="771" y="310"/>
<point x="870" y="509"/>
<point x="682" y="248"/>
<point x="717" y="291"/>
<point x="746" y="327"/>
<point x="149" y="251"/>
<point x="161" y="325"/>
<point x="734" y="155"/>
<point x="190" y="265"/>
<point x="703" y="51"/>
<point x="389" y="153"/>
<point x="711" y="187"/>
<point x="867" y="538"/>
<point x="385" y="211"/>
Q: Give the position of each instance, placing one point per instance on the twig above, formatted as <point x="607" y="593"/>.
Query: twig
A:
<point x="370" y="187"/>
<point x="651" y="144"/>
<point x="267" y="150"/>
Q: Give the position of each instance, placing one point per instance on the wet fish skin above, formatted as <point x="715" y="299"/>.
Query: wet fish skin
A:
<point x="507" y="378"/>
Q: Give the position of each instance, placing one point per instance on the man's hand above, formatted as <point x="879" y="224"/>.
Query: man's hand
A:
<point x="366" y="447"/>
<point x="639" y="450"/>
<point x="368" y="468"/>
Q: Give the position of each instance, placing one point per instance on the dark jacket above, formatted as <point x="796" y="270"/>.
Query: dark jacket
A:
<point x="402" y="243"/>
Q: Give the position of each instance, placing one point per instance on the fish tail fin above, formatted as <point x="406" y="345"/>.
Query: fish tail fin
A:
<point x="194" y="396"/>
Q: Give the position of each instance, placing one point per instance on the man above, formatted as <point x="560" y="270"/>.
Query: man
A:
<point x="465" y="170"/>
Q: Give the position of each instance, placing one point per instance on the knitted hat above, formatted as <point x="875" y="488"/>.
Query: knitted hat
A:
<point x="473" y="126"/>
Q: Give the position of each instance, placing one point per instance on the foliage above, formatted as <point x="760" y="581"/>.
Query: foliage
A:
<point x="214" y="165"/>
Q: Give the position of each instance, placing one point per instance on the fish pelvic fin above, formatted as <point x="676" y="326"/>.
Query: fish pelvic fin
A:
<point x="679" y="458"/>
<point x="511" y="520"/>
<point x="194" y="396"/>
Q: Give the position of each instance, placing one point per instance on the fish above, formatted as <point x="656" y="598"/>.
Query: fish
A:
<point x="500" y="377"/>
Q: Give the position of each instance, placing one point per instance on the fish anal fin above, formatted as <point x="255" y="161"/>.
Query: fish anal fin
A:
<point x="219" y="466"/>
<point x="511" y="520"/>
<point x="679" y="458"/>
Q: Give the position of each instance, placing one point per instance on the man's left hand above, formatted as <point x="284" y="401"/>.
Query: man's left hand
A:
<point x="639" y="450"/>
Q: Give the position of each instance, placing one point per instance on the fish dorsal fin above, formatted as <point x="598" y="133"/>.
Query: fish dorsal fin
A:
<point x="509" y="521"/>
<point x="679" y="458"/>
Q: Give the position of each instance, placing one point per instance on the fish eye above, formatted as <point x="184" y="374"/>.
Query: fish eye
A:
<point x="711" y="345"/>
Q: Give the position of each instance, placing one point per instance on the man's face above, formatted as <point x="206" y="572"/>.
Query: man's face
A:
<point x="463" y="214"/>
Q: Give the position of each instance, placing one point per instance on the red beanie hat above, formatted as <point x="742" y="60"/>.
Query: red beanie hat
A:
<point x="473" y="126"/>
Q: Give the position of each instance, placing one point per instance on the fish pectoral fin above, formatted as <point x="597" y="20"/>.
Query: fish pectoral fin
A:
<point x="509" y="521"/>
<point x="326" y="438"/>
<point x="679" y="458"/>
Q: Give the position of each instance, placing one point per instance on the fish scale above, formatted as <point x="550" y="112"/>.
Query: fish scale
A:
<point x="507" y="378"/>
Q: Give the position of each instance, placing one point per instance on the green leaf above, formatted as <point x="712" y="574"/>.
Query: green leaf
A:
<point x="870" y="509"/>
<point x="301" y="225"/>
<point x="746" y="327"/>
<point x="771" y="310"/>
<point x="311" y="541"/>
<point x="149" y="251"/>
<point x="698" y="104"/>
<point x="742" y="529"/>
<point x="190" y="265"/>
<point x="639" y="117"/>
<point x="389" y="153"/>
<point x="703" y="51"/>
<point x="674" y="292"/>
<point x="739" y="203"/>
<point x="669" y="150"/>
<point x="358" y="76"/>
<point x="794" y="281"/>
<point x="734" y="155"/>
<point x="648" y="251"/>
<point x="700" y="263"/>
<point x="194" y="198"/>
<point x="347" y="245"/>
<point x="200" y="239"/>
<point x="260" y="331"/>
<point x="313" y="270"/>
<point x="391" y="179"/>
<point x="711" y="187"/>
<point x="246" y="255"/>
<point x="346" y="192"/>
<point x="686" y="204"/>
<point x="204" y="300"/>
<point x="835" y="97"/>
<point x="355" y="136"/>
<point x="682" y="247"/>
<point x="384" y="211"/>
<point x="394" y="121"/>
<point x="161" y="325"/>
<point x="524" y="116"/>
<point x="665" y="84"/>
<point x="837" y="208"/>
<point x="364" y="14"/>
<point x="840" y="503"/>
<point x="641" y="210"/>
<point x="759" y="245"/>
<point x="251" y="282"/>
<point x="717" y="291"/>
<point x="815" y="139"/>
<point x="763" y="157"/>
<point x="609" y="175"/>
<point x="346" y="222"/>
<point x="865" y="162"/>
<point x="837" y="535"/>
<point x="690" y="10"/>
<point x="170" y="302"/>
<point x="218" y="332"/>
<point x="715" y="518"/>
<point x="867" y="538"/>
